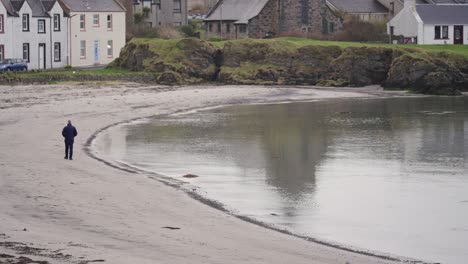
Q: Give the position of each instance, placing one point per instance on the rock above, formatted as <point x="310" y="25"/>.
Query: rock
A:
<point x="169" y="78"/>
<point x="360" y="66"/>
<point x="190" y="176"/>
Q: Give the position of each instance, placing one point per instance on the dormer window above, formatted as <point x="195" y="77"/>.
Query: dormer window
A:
<point x="56" y="22"/>
<point x="41" y="26"/>
<point x="25" y="22"/>
<point x="82" y="22"/>
<point x="109" y="22"/>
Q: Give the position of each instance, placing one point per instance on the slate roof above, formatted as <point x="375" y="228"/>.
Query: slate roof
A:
<point x="358" y="6"/>
<point x="92" y="5"/>
<point x="240" y="11"/>
<point x="17" y="4"/>
<point x="48" y="5"/>
<point x="37" y="8"/>
<point x="9" y="7"/>
<point x="443" y="14"/>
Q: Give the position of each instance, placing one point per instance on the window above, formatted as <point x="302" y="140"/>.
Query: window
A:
<point x="41" y="26"/>
<point x="110" y="49"/>
<point x="177" y="6"/>
<point x="82" y="22"/>
<point x="2" y="52"/>
<point x="228" y="28"/>
<point x="96" y="20"/>
<point x="243" y="28"/>
<point x="83" y="49"/>
<point x="218" y="28"/>
<point x="56" y="22"/>
<point x="210" y="27"/>
<point x="25" y="22"/>
<point x="109" y="22"/>
<point x="26" y="52"/>
<point x="305" y="12"/>
<point x="2" y="27"/>
<point x="441" y="32"/>
<point x="57" y="53"/>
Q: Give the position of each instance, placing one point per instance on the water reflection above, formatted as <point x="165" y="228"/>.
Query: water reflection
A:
<point x="389" y="175"/>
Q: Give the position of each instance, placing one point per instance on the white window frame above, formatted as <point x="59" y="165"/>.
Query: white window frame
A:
<point x="2" y="24"/>
<point x="83" y="22"/>
<point x="83" y="49"/>
<point x="110" y="49"/>
<point x="109" y="21"/>
<point x="57" y="22"/>
<point x="26" y="52"/>
<point x="25" y="22"/>
<point x="57" y="52"/>
<point x="41" y="26"/>
<point x="96" y="20"/>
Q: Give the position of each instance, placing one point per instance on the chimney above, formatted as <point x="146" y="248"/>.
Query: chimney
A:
<point x="410" y="3"/>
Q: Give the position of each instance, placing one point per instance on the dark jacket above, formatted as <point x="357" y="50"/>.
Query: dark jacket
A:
<point x="69" y="133"/>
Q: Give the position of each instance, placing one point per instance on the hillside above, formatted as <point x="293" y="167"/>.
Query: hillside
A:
<point x="292" y="61"/>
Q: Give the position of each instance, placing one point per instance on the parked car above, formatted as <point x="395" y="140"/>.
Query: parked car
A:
<point x="13" y="65"/>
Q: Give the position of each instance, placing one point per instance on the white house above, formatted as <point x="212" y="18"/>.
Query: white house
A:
<point x="96" y="30"/>
<point x="34" y="30"/>
<point x="431" y="24"/>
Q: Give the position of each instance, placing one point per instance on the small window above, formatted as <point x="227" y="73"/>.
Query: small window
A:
<point x="26" y="52"/>
<point x="96" y="20"/>
<point x="228" y="28"/>
<point x="445" y="32"/>
<point x="243" y="28"/>
<point x="25" y="22"/>
<point x="109" y="22"/>
<point x="57" y="52"/>
<point x="41" y="26"/>
<point x="437" y="32"/>
<point x="177" y="6"/>
<point x="110" y="49"/>
<point x="218" y="28"/>
<point x="210" y="27"/>
<point x="2" y="27"/>
<point x="2" y="52"/>
<point x="83" y="49"/>
<point x="83" y="22"/>
<point x="56" y="22"/>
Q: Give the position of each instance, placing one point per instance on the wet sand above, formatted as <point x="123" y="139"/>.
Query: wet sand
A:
<point x="84" y="211"/>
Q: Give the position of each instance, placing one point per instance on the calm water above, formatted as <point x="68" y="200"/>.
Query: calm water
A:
<point x="389" y="175"/>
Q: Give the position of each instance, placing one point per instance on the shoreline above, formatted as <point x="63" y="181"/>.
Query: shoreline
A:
<point x="250" y="242"/>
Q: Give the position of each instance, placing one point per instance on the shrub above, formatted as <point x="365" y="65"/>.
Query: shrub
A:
<point x="168" y="32"/>
<point x="355" y="29"/>
<point x="188" y="30"/>
<point x="216" y="38"/>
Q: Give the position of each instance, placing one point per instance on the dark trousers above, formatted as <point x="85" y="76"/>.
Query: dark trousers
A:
<point x="69" y="150"/>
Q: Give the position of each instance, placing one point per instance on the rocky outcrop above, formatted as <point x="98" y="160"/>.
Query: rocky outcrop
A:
<point x="283" y="62"/>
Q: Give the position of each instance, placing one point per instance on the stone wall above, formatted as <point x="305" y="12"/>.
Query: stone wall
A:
<point x="266" y="22"/>
<point x="303" y="16"/>
<point x="226" y="29"/>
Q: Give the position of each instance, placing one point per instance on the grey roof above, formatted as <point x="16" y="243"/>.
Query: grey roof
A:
<point x="37" y="8"/>
<point x="443" y="14"/>
<point x="9" y="7"/>
<point x="358" y="6"/>
<point x="240" y="11"/>
<point x="92" y="5"/>
<point x="17" y="4"/>
<point x="48" y="5"/>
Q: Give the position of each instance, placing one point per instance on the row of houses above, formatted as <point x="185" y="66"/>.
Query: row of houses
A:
<point x="418" y="21"/>
<point x="56" y="33"/>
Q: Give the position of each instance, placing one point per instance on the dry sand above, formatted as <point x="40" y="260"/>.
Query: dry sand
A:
<point x="84" y="211"/>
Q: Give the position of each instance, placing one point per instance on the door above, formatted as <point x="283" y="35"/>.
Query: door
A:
<point x="457" y="34"/>
<point x="42" y="56"/>
<point x="96" y="52"/>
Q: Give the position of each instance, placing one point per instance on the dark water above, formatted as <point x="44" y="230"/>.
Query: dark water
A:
<point x="389" y="175"/>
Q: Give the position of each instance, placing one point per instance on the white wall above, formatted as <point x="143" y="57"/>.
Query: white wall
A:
<point x="59" y="36"/>
<point x="6" y="38"/>
<point x="429" y="35"/>
<point x="405" y="23"/>
<point x="92" y="34"/>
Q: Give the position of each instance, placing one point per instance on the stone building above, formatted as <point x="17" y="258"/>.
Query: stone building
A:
<point x="162" y="12"/>
<point x="233" y="19"/>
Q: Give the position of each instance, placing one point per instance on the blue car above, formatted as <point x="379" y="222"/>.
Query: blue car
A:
<point x="13" y="65"/>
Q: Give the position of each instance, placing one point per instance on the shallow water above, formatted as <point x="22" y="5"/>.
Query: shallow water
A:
<point x="388" y="175"/>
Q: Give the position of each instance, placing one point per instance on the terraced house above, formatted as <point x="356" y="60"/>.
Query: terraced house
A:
<point x="34" y="30"/>
<point x="96" y="30"/>
<point x="55" y="33"/>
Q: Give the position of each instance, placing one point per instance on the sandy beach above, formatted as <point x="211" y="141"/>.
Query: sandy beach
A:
<point x="84" y="211"/>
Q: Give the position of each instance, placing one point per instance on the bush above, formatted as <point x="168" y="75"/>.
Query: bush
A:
<point x="216" y="38"/>
<point x="355" y="29"/>
<point x="188" y="31"/>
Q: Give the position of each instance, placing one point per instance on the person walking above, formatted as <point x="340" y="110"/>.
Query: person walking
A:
<point x="69" y="133"/>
